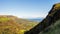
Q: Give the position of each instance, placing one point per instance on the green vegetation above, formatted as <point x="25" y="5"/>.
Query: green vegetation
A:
<point x="53" y="29"/>
<point x="2" y="19"/>
<point x="57" y="6"/>
<point x="14" y="25"/>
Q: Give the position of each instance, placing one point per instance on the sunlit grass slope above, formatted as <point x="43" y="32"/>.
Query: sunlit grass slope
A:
<point x="13" y="25"/>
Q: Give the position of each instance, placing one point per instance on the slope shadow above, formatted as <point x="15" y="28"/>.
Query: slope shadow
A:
<point x="51" y="18"/>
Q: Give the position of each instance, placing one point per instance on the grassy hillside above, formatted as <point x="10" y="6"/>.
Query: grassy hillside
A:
<point x="53" y="29"/>
<point x="14" y="25"/>
<point x="49" y="25"/>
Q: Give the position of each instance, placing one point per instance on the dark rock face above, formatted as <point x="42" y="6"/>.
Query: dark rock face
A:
<point x="52" y="17"/>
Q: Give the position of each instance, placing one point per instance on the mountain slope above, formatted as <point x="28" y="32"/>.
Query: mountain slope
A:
<point x="51" y="18"/>
<point x="13" y="25"/>
<point x="53" y="29"/>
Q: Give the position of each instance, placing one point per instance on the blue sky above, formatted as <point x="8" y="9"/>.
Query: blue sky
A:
<point x="26" y="8"/>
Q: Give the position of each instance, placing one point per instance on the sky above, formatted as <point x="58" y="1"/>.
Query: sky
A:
<point x="26" y="8"/>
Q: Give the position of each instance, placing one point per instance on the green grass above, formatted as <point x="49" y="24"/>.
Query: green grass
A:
<point x="54" y="29"/>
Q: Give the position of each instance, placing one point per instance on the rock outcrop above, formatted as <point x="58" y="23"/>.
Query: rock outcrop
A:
<point x="50" y="19"/>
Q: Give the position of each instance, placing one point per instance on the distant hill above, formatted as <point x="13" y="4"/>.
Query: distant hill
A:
<point x="36" y="19"/>
<point x="13" y="25"/>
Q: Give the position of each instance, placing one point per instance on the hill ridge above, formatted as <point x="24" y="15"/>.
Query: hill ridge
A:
<point x="51" y="18"/>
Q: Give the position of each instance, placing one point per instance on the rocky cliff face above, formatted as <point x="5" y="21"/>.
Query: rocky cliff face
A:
<point x="50" y="19"/>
